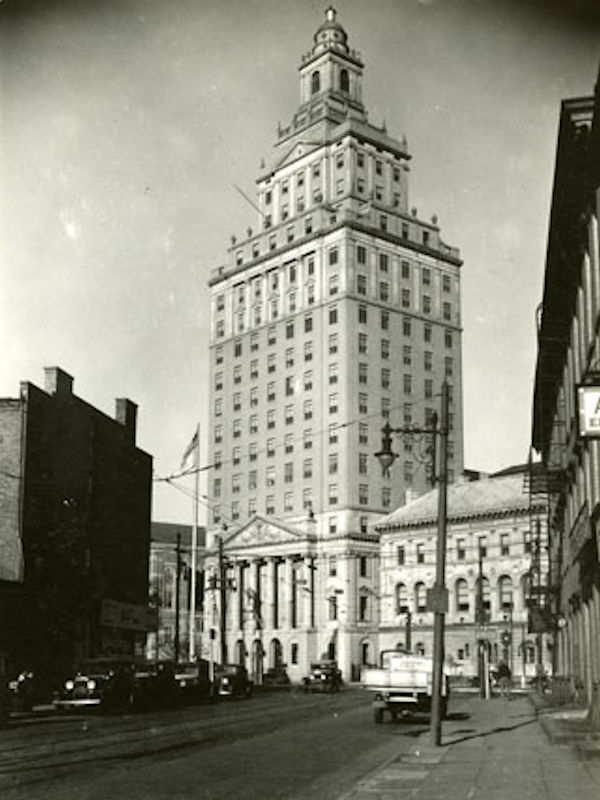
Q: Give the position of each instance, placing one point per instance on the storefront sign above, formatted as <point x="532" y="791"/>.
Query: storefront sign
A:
<point x="128" y="616"/>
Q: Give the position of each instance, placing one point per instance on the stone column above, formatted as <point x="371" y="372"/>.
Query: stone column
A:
<point x="289" y="590"/>
<point x="274" y="577"/>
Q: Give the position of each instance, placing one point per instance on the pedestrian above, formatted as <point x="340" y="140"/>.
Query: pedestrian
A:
<point x="504" y="676"/>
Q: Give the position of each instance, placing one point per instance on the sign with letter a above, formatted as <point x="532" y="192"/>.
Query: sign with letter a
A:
<point x="588" y="404"/>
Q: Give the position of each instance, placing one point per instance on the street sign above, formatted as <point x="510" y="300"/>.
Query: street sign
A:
<point x="437" y="599"/>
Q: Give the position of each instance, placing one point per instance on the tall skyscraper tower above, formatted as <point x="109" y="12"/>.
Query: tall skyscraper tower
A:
<point x="339" y="312"/>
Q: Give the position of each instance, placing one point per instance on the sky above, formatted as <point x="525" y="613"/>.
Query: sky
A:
<point x="126" y="125"/>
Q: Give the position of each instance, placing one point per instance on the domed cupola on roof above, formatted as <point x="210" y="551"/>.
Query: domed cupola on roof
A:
<point x="331" y="72"/>
<point x="330" y="34"/>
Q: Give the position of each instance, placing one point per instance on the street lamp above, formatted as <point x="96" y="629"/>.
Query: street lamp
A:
<point x="437" y="600"/>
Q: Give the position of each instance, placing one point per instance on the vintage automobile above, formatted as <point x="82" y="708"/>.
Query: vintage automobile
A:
<point x="276" y="677"/>
<point x="232" y="681"/>
<point x="102" y="682"/>
<point x="324" y="677"/>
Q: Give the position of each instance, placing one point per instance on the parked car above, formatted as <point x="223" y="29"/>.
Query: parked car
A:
<point x="232" y="681"/>
<point x="276" y="677"/>
<point x="100" y="682"/>
<point x="192" y="681"/>
<point x="324" y="677"/>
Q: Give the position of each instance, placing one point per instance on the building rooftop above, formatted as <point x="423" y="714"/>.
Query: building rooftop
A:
<point x="166" y="533"/>
<point x="487" y="497"/>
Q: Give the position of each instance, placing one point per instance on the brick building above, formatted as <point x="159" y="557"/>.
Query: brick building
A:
<point x="74" y="525"/>
<point x="564" y="433"/>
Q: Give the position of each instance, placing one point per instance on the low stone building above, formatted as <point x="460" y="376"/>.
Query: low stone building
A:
<point x="495" y="538"/>
<point x="170" y="554"/>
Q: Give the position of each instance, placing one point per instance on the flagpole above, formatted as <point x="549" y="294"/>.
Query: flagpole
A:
<point x="196" y="499"/>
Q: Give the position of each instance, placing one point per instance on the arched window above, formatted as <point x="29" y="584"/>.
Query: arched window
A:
<point x="462" y="595"/>
<point x="344" y="81"/>
<point x="315" y="82"/>
<point x="505" y="592"/>
<point x="420" y="597"/>
<point x="401" y="599"/>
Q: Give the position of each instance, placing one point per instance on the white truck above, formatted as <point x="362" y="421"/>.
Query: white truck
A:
<point x="402" y="685"/>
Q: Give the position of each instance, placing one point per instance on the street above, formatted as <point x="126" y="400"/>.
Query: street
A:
<point x="286" y="745"/>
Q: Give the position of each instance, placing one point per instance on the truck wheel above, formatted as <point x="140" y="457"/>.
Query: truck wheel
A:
<point x="378" y="716"/>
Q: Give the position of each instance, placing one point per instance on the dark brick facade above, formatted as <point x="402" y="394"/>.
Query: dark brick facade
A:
<point x="83" y="507"/>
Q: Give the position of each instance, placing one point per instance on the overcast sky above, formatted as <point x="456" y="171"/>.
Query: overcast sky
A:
<point x="126" y="124"/>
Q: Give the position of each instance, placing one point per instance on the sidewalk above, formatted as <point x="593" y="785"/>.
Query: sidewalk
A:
<point x="491" y="750"/>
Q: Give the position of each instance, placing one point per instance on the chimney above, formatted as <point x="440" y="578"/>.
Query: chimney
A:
<point x="126" y="415"/>
<point x="57" y="381"/>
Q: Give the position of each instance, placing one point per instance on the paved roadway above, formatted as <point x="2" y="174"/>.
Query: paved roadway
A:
<point x="286" y="745"/>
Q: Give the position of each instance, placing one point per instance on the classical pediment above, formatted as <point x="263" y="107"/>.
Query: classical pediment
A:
<point x="295" y="152"/>
<point x="267" y="533"/>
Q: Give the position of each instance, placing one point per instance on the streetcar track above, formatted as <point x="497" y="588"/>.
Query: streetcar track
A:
<point x="146" y="739"/>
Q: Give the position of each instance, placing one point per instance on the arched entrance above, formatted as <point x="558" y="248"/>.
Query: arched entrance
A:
<point x="240" y="652"/>
<point x="257" y="661"/>
<point x="276" y="655"/>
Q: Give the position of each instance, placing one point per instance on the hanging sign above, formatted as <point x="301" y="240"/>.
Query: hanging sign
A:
<point x="588" y="405"/>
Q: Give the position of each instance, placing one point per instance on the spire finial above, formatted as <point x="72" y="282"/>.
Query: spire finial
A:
<point x="330" y="14"/>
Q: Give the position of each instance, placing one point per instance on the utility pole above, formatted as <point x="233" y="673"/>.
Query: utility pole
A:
<point x="438" y="596"/>
<point x="440" y="593"/>
<point x="177" y="597"/>
<point x="223" y="602"/>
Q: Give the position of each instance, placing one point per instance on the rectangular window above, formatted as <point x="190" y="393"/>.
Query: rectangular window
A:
<point x="333" y="315"/>
<point x="448" y="339"/>
<point x="333" y="403"/>
<point x="332" y="494"/>
<point x="405" y="298"/>
<point x="384" y="291"/>
<point x="333" y="256"/>
<point x="420" y="554"/>
<point x="385" y="321"/>
<point x="407" y="326"/>
<point x="363" y="407"/>
<point x="307" y="468"/>
<point x="400" y="556"/>
<point x="333" y="343"/>
<point x="426" y="304"/>
<point x="361" y="284"/>
<point x="361" y="254"/>
<point x="362" y="343"/>
<point x="308" y="351"/>
<point x="407" y="355"/>
<point x="426" y="276"/>
<point x="385" y="378"/>
<point x="363" y="494"/>
<point x="333" y="435"/>
<point x="447" y="311"/>
<point x="363" y="464"/>
<point x="363" y="433"/>
<point x="333" y="463"/>
<point x="289" y="415"/>
<point x="405" y="270"/>
<point x="446" y="284"/>
<point x="504" y="544"/>
<point x="362" y="314"/>
<point x="362" y="373"/>
<point x="407" y="383"/>
<point x="289" y="357"/>
<point x="385" y="349"/>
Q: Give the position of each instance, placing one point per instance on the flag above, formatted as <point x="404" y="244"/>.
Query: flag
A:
<point x="191" y="451"/>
